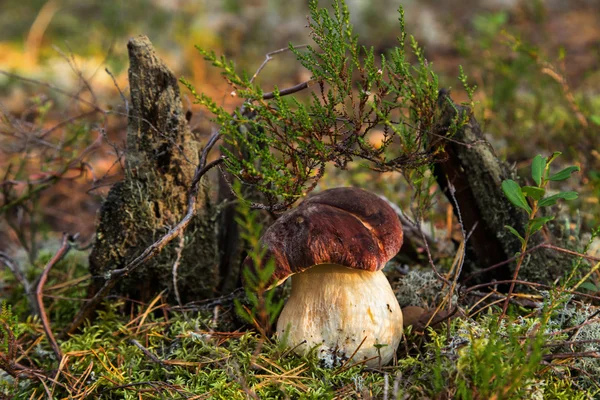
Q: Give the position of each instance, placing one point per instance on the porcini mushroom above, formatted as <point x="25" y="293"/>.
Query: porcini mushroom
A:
<point x="335" y="245"/>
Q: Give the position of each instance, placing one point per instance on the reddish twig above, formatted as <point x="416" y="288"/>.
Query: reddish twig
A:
<point x="565" y="356"/>
<point x="534" y="284"/>
<point x="507" y="261"/>
<point x="571" y="342"/>
<point x="571" y="252"/>
<point x="64" y="249"/>
<point x="543" y="245"/>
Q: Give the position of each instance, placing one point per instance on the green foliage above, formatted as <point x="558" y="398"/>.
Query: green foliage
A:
<point x="540" y="173"/>
<point x="281" y="145"/>
<point x="264" y="307"/>
<point x="462" y="77"/>
<point x="479" y="359"/>
<point x="472" y="358"/>
<point x="501" y="363"/>
<point x="513" y="192"/>
<point x="9" y="328"/>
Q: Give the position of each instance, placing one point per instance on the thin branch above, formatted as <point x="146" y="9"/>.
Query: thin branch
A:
<point x="54" y="88"/>
<point x="64" y="123"/>
<point x="64" y="249"/>
<point x="214" y="138"/>
<point x="523" y="302"/>
<point x="176" y="267"/>
<point x="571" y="342"/>
<point x="452" y="191"/>
<point x="119" y="89"/>
<point x="567" y="251"/>
<point x="210" y="303"/>
<point x="52" y="177"/>
<point x="290" y="90"/>
<point x="269" y="57"/>
<point x="148" y="353"/>
<point x="534" y="284"/>
<point x="507" y="261"/>
<point x="430" y="257"/>
<point x="532" y="249"/>
<point x="155" y="385"/>
<point x="18" y="274"/>
<point x="565" y="356"/>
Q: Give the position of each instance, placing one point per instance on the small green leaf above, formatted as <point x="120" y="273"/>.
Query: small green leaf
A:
<point x="534" y="192"/>
<point x="551" y="200"/>
<point x="514" y="232"/>
<point x="595" y="119"/>
<point x="513" y="192"/>
<point x="537" y="168"/>
<point x="564" y="174"/>
<point x="589" y="286"/>
<point x="553" y="156"/>
<point x="537" y="223"/>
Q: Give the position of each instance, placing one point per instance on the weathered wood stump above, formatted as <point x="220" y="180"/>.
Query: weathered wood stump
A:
<point x="476" y="174"/>
<point x="161" y="156"/>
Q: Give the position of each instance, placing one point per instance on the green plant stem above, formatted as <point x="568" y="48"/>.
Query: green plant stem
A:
<point x="534" y="211"/>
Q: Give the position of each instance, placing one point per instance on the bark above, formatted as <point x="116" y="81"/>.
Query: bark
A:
<point x="476" y="173"/>
<point x="160" y="160"/>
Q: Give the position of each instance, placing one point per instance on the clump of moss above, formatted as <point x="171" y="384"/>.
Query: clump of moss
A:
<point x="577" y="330"/>
<point x="420" y="288"/>
<point x="156" y="351"/>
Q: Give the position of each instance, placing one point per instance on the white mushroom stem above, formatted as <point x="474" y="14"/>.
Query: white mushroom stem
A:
<point x="335" y="309"/>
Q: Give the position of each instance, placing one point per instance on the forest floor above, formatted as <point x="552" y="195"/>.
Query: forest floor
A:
<point x="63" y="108"/>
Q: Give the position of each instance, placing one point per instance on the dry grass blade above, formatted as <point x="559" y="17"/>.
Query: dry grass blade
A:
<point x="149" y="309"/>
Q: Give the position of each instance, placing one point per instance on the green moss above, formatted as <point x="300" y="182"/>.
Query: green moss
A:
<point x="473" y="358"/>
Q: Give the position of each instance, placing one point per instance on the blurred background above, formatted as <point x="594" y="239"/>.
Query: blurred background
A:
<point x="63" y="81"/>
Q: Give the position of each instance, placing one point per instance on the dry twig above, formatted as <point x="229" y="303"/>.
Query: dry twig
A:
<point x="64" y="249"/>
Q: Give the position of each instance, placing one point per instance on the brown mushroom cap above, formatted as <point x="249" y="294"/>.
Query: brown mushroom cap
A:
<point x="345" y="226"/>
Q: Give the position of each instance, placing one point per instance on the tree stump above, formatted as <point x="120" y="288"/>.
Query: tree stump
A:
<point x="161" y="156"/>
<point x="476" y="174"/>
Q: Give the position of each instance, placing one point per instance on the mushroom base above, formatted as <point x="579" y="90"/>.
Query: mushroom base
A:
<point x="334" y="309"/>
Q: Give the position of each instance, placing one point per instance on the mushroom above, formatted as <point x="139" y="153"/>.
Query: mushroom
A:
<point x="335" y="245"/>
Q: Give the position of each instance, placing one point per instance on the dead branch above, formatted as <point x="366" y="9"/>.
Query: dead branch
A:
<point x="571" y="342"/>
<point x="500" y="264"/>
<point x="148" y="353"/>
<point x="269" y="57"/>
<point x="514" y="300"/>
<point x="64" y="249"/>
<point x="532" y="284"/>
<point x="566" y="356"/>
<point x="55" y="89"/>
<point x="176" y="267"/>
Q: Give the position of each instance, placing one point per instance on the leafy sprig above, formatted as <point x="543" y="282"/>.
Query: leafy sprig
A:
<point x="540" y="173"/>
<point x="281" y="144"/>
